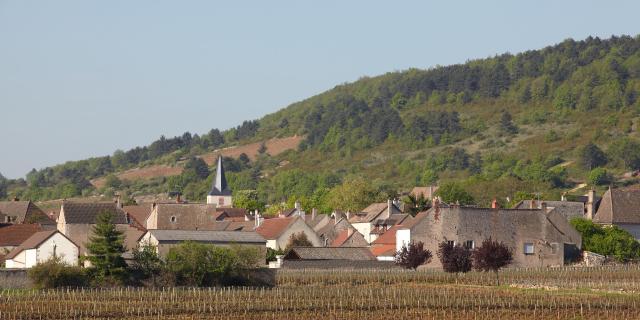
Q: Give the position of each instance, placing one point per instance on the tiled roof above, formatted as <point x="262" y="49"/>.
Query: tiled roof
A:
<point x="372" y="212"/>
<point x="233" y="213"/>
<point x="241" y="226"/>
<point x="568" y="209"/>
<point x="24" y="212"/>
<point x="33" y="242"/>
<point x="388" y="237"/>
<point x="207" y="236"/>
<point x="273" y="228"/>
<point x="619" y="206"/>
<point x="342" y="237"/>
<point x="87" y="213"/>
<point x="385" y="250"/>
<point x="328" y="253"/>
<point x="139" y="213"/>
<point x="14" y="235"/>
<point x="189" y="216"/>
<point x="427" y="192"/>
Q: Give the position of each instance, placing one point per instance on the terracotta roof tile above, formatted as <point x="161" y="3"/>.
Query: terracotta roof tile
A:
<point x="273" y="228"/>
<point x="385" y="250"/>
<point x="14" y="235"/>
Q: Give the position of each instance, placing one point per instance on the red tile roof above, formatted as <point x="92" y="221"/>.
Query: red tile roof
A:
<point x="14" y="235"/>
<point x="386" y="250"/>
<point x="342" y="237"/>
<point x="388" y="237"/>
<point x="273" y="228"/>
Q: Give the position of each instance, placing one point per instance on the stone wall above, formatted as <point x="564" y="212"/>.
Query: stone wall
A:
<point x="337" y="264"/>
<point x="14" y="278"/>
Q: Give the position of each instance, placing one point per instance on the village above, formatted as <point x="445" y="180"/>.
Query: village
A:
<point x="537" y="231"/>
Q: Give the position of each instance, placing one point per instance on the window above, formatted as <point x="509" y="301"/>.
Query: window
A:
<point x="451" y="243"/>
<point x="469" y="244"/>
<point x="173" y="219"/>
<point x="528" y="248"/>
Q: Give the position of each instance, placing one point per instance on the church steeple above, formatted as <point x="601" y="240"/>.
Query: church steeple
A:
<point x="220" y="187"/>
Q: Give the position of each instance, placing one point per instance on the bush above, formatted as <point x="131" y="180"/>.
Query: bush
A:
<point x="454" y="259"/>
<point x="599" y="176"/>
<point x="492" y="256"/>
<point x="413" y="256"/>
<point x="452" y="192"/>
<point x="610" y="241"/>
<point x="54" y="273"/>
<point x="197" y="264"/>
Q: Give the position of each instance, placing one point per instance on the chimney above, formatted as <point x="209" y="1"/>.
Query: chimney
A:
<point x="314" y="211"/>
<point x="178" y="200"/>
<point x="543" y="206"/>
<point x="532" y="204"/>
<point x="389" y="209"/>
<point x="258" y="219"/>
<point x="563" y="197"/>
<point x="494" y="204"/>
<point x="118" y="202"/>
<point x="297" y="205"/>
<point x="348" y="215"/>
<point x="591" y="204"/>
<point x="435" y="202"/>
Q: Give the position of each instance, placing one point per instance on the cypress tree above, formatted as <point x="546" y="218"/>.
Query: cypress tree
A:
<point x="105" y="248"/>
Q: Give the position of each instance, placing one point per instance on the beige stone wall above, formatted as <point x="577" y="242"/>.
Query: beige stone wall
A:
<point x="298" y="226"/>
<point x="513" y="227"/>
<point x="80" y="233"/>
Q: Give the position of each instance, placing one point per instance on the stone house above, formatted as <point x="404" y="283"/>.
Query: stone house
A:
<point x="164" y="240"/>
<point x="537" y="237"/>
<point x="277" y="231"/>
<point x="376" y="219"/>
<point x="183" y="216"/>
<point x="77" y="220"/>
<point x="620" y="207"/>
<point x="40" y="247"/>
<point x="18" y="212"/>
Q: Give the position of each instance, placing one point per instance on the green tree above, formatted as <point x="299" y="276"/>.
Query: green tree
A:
<point x="105" y="248"/>
<point x="147" y="265"/>
<point x="506" y="123"/>
<point x="198" y="264"/>
<point x="591" y="156"/>
<point x="627" y="151"/>
<point x="247" y="199"/>
<point x="417" y="204"/>
<point x="452" y="192"/>
<point x="196" y="167"/>
<point x="353" y="195"/>
<point x="610" y="241"/>
<point x="599" y="176"/>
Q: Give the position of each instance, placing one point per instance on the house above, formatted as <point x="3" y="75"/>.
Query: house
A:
<point x="538" y="237"/>
<point x="77" y="220"/>
<point x="349" y="237"/>
<point x="620" y="207"/>
<point x="427" y="192"/>
<point x="277" y="231"/>
<point x="42" y="246"/>
<point x="568" y="209"/>
<point x="384" y="247"/>
<point x="139" y="214"/>
<point x="234" y="214"/>
<point x="164" y="240"/>
<point x="332" y="258"/>
<point x="183" y="216"/>
<point x="13" y="235"/>
<point x="328" y="228"/>
<point x="220" y="193"/>
<point x="18" y="212"/>
<point x="370" y="221"/>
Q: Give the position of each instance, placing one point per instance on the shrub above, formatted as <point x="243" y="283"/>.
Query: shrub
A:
<point x="609" y="241"/>
<point x="492" y="256"/>
<point x="147" y="265"/>
<point x="454" y="259"/>
<point x="54" y="273"/>
<point x="298" y="240"/>
<point x="452" y="192"/>
<point x="413" y="256"/>
<point x="599" y="176"/>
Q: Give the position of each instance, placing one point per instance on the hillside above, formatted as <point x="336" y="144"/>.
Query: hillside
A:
<point x="541" y="121"/>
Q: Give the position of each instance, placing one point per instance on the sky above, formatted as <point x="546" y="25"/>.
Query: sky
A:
<point x="83" y="78"/>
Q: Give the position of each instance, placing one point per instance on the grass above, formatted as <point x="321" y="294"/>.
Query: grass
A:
<point x="566" y="293"/>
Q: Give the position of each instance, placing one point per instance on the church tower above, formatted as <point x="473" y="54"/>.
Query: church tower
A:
<point x="220" y="194"/>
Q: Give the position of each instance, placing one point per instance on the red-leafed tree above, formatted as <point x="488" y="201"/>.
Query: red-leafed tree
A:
<point x="413" y="256"/>
<point x="454" y="259"/>
<point x="492" y="256"/>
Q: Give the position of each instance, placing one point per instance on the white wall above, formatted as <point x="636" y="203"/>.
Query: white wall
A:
<point x="365" y="230"/>
<point x="17" y="261"/>
<point x="403" y="238"/>
<point x="220" y="201"/>
<point x="273" y="244"/>
<point x="64" y="248"/>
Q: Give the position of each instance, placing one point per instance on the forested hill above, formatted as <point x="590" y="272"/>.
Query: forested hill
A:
<point x="540" y="121"/>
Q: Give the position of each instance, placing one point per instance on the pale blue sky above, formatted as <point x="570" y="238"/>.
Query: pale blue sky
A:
<point x="84" y="78"/>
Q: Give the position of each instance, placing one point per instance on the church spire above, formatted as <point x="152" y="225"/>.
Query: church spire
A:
<point x="220" y="187"/>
